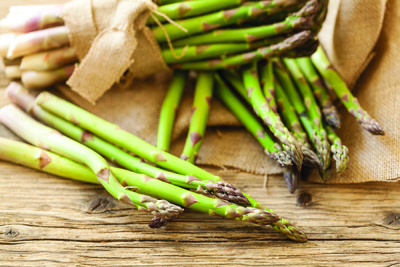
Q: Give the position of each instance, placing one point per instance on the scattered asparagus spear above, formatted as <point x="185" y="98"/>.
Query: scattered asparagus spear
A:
<point x="135" y="145"/>
<point x="49" y="139"/>
<point x="252" y="85"/>
<point x="52" y="163"/>
<point x="29" y="22"/>
<point x="42" y="79"/>
<point x="267" y="82"/>
<point x="237" y="60"/>
<point x="310" y="159"/>
<point x="329" y="110"/>
<point x="38" y="41"/>
<point x="218" y="19"/>
<point x="299" y="20"/>
<point x="169" y="109"/>
<point x="49" y="60"/>
<point x="21" y="97"/>
<point x="271" y="148"/>
<point x="340" y="152"/>
<point x="315" y="129"/>
<point x="200" y="112"/>
<point x="325" y="68"/>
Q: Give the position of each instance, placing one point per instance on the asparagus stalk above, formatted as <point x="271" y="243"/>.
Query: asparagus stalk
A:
<point x="292" y="42"/>
<point x="267" y="82"/>
<point x="184" y="9"/>
<point x="271" y="148"/>
<point x="315" y="129"/>
<point x="299" y="20"/>
<point x="21" y="97"/>
<point x="13" y="72"/>
<point x="325" y="68"/>
<point x="52" y="163"/>
<point x="135" y="145"/>
<point x="5" y="42"/>
<point x="340" y="152"/>
<point x="42" y="79"/>
<point x="329" y="111"/>
<point x="200" y="113"/>
<point x="254" y="92"/>
<point x="292" y="179"/>
<point x="169" y="110"/>
<point x="293" y="123"/>
<point x="38" y="41"/>
<point x="219" y="19"/>
<point x="49" y="139"/>
<point x="39" y="20"/>
<point x="49" y="60"/>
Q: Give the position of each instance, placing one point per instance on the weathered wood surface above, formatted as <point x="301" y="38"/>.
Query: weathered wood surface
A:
<point x="45" y="220"/>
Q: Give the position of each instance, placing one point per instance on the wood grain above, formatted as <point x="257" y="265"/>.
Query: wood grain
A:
<point x="45" y="220"/>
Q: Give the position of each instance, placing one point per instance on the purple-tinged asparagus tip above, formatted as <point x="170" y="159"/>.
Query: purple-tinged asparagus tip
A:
<point x="228" y="192"/>
<point x="332" y="117"/>
<point x="292" y="179"/>
<point x="310" y="159"/>
<point x="157" y="222"/>
<point x="325" y="174"/>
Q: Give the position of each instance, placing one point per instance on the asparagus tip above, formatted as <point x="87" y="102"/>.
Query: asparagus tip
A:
<point x="332" y="117"/>
<point x="157" y="222"/>
<point x="292" y="179"/>
<point x="228" y="192"/>
<point x="310" y="159"/>
<point x="325" y="173"/>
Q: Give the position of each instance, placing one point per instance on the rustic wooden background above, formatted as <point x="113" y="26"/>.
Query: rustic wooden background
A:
<point x="45" y="220"/>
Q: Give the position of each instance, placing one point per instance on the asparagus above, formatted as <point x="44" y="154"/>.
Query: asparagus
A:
<point x="329" y="110"/>
<point x="267" y="82"/>
<point x="116" y="135"/>
<point x="237" y="60"/>
<point x="5" y="42"/>
<point x="49" y="60"/>
<point x="315" y="129"/>
<point x="254" y="92"/>
<point x="293" y="123"/>
<point x="42" y="79"/>
<point x="52" y="163"/>
<point x="340" y="152"/>
<point x="200" y="113"/>
<point x="21" y="97"/>
<point x="193" y="8"/>
<point x="49" y="139"/>
<point x="219" y="19"/>
<point x="299" y="20"/>
<point x="169" y="109"/>
<point x="292" y="179"/>
<point x="38" y="41"/>
<point x="12" y="72"/>
<point x="325" y="68"/>
<point x="271" y="148"/>
<point x="39" y="20"/>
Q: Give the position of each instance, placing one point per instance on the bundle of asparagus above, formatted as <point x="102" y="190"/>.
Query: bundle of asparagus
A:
<point x="178" y="181"/>
<point x="209" y="35"/>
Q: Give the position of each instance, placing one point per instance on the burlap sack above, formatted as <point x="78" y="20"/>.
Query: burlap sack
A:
<point x="354" y="31"/>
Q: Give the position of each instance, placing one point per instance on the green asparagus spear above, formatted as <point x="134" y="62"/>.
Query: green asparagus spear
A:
<point x="272" y="149"/>
<point x="299" y="20"/>
<point x="135" y="145"/>
<point x="219" y="19"/>
<point x="325" y="68"/>
<point x="315" y="131"/>
<point x="52" y="163"/>
<point x="169" y="110"/>
<point x="267" y="82"/>
<point x="286" y="109"/>
<point x="292" y="42"/>
<point x="254" y="92"/>
<point x="21" y="97"/>
<point x="329" y="110"/>
<point x="200" y="113"/>
<point x="49" y="139"/>
<point x="292" y="179"/>
<point x="187" y="9"/>
<point x="340" y="152"/>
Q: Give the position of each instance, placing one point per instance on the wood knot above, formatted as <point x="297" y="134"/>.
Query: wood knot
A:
<point x="100" y="204"/>
<point x="392" y="219"/>
<point x="304" y="199"/>
<point x="10" y="233"/>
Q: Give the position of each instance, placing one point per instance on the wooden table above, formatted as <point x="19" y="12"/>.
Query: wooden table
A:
<point x="45" y="220"/>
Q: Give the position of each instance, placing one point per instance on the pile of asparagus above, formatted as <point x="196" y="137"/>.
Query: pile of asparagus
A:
<point x="73" y="146"/>
<point x="294" y="116"/>
<point x="210" y="35"/>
